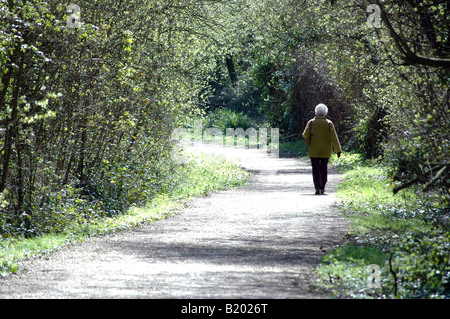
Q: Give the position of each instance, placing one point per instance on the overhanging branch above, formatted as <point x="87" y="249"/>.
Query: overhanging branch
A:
<point x="407" y="54"/>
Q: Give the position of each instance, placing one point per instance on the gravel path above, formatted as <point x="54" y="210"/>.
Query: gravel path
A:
<point x="262" y="240"/>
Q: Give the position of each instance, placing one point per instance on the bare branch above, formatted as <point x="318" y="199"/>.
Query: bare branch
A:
<point x="407" y="54"/>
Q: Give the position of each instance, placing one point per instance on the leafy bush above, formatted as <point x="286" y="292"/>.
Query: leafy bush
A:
<point x="412" y="265"/>
<point x="410" y="241"/>
<point x="68" y="218"/>
<point x="422" y="265"/>
<point x="224" y="118"/>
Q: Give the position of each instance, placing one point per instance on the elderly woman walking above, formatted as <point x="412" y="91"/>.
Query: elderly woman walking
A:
<point x="320" y="136"/>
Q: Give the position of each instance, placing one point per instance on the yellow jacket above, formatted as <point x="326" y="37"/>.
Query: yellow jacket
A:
<point x="323" y="136"/>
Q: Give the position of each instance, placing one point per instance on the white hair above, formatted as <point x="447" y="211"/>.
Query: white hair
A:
<point x="321" y="109"/>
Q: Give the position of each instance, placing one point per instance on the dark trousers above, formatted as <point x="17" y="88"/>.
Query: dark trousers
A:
<point x="320" y="172"/>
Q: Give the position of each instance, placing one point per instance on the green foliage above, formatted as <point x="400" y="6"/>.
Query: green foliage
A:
<point x="422" y="265"/>
<point x="225" y="118"/>
<point x="368" y="200"/>
<point x="294" y="148"/>
<point x="14" y="249"/>
<point x="407" y="239"/>
<point x="207" y="173"/>
<point x="86" y="112"/>
<point x="201" y="175"/>
<point x="369" y="254"/>
<point x="344" y="270"/>
<point x="418" y="268"/>
<point x="348" y="161"/>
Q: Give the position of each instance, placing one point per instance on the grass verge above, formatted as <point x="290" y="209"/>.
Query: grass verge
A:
<point x="198" y="177"/>
<point x="398" y="245"/>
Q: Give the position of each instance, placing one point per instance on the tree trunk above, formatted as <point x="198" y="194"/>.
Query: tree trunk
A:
<point x="231" y="69"/>
<point x="11" y="125"/>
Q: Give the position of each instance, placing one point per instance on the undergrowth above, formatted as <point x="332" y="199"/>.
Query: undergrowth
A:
<point x="405" y="235"/>
<point x="199" y="176"/>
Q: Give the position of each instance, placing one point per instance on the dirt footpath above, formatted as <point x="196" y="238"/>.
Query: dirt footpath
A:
<point x="259" y="241"/>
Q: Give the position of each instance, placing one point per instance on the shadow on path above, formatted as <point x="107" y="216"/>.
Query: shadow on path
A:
<point x="262" y="240"/>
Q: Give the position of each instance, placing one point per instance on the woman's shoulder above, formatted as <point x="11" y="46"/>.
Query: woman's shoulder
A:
<point x="321" y="119"/>
<point x="324" y="121"/>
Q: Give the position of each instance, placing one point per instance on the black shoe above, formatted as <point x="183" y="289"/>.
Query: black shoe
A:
<point x="317" y="191"/>
<point x="322" y="191"/>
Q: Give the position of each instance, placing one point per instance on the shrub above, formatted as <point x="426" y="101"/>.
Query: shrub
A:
<point x="224" y="118"/>
<point x="421" y="264"/>
<point x="404" y="227"/>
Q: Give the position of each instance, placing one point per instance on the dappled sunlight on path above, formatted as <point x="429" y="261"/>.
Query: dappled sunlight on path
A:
<point x="262" y="240"/>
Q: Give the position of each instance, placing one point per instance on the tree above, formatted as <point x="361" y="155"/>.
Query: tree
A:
<point x="88" y="103"/>
<point x="418" y="34"/>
